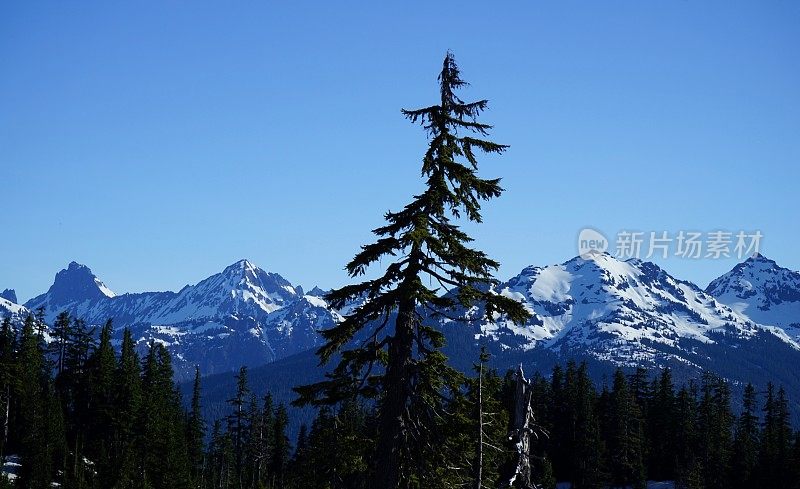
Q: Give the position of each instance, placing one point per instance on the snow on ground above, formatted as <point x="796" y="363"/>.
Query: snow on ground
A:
<point x="10" y="467"/>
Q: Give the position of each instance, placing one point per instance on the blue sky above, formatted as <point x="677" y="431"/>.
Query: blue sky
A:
<point x="158" y="142"/>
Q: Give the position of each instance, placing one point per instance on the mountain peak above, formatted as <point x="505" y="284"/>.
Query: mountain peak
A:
<point x="241" y="289"/>
<point x="243" y="263"/>
<point x="317" y="292"/>
<point x="759" y="258"/>
<point x="9" y="295"/>
<point x="74" y="284"/>
<point x="763" y="290"/>
<point x="241" y="267"/>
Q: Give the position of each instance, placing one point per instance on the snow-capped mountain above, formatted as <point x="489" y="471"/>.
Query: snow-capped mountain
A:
<point x="241" y="316"/>
<point x="763" y="291"/>
<point x="599" y="308"/>
<point x="623" y="312"/>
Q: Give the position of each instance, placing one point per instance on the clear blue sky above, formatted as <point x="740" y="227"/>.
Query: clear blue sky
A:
<point x="158" y="142"/>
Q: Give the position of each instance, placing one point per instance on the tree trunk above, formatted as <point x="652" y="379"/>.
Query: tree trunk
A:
<point x="392" y="425"/>
<point x="479" y="462"/>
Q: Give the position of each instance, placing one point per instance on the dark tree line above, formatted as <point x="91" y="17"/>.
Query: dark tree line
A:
<point x="78" y="413"/>
<point x="645" y="428"/>
<point x="637" y="427"/>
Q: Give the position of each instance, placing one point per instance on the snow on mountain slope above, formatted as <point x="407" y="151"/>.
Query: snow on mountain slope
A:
<point x="241" y="290"/>
<point x="763" y="291"/>
<point x="241" y="316"/>
<point x="626" y="312"/>
<point x="17" y="314"/>
<point x="620" y="312"/>
<point x="10" y="308"/>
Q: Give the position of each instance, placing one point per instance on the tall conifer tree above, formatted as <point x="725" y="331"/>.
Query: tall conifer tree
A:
<point x="625" y="436"/>
<point x="196" y="432"/>
<point x="423" y="242"/>
<point x="7" y="377"/>
<point x="745" y="444"/>
<point x="32" y="389"/>
<point x="102" y="365"/>
<point x="238" y="420"/>
<point x="127" y="402"/>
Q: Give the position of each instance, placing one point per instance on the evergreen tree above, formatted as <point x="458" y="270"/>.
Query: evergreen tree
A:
<point x="58" y="447"/>
<point x="335" y="454"/>
<point x="476" y="432"/>
<point x="237" y="422"/>
<point x="776" y="438"/>
<point x="784" y="440"/>
<point x="74" y="387"/>
<point x="490" y="423"/>
<point x="541" y="452"/>
<point x="102" y="365"/>
<point x="690" y="476"/>
<point x="302" y="442"/>
<point x="625" y="436"/>
<point x="300" y="460"/>
<point x="795" y="462"/>
<point x="715" y="422"/>
<point x="221" y="467"/>
<point x="33" y="391"/>
<point x="164" y="460"/>
<point x="425" y="242"/>
<point x="584" y="433"/>
<point x="745" y="445"/>
<point x="195" y="433"/>
<point x="62" y="332"/>
<point x="267" y="439"/>
<point x="281" y="447"/>
<point x="641" y="389"/>
<point x="660" y="429"/>
<point x="559" y="446"/>
<point x="688" y="471"/>
<point x="254" y="446"/>
<point x="575" y="444"/>
<point x="545" y="477"/>
<point x="317" y="466"/>
<point x="7" y="378"/>
<point x="127" y="406"/>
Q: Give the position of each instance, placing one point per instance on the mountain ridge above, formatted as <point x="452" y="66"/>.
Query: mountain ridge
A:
<point x="627" y="313"/>
<point x="242" y="315"/>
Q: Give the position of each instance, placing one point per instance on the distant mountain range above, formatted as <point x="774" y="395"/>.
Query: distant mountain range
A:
<point x="745" y="325"/>
<point x="623" y="312"/>
<point x="241" y="316"/>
